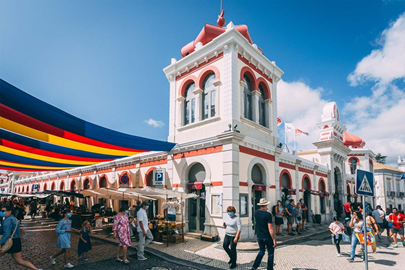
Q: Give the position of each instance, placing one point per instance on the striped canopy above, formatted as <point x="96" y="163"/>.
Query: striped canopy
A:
<point x="35" y="136"/>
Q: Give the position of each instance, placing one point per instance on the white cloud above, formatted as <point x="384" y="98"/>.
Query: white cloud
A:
<point x="154" y="123"/>
<point x="301" y="105"/>
<point x="379" y="118"/>
<point x="386" y="64"/>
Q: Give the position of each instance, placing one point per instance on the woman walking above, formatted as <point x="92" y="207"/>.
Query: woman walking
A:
<point x="63" y="230"/>
<point x="357" y="223"/>
<point x="298" y="217"/>
<point x="121" y="229"/>
<point x="373" y="224"/>
<point x="279" y="217"/>
<point x="233" y="227"/>
<point x="10" y="228"/>
<point x="337" y="229"/>
<point x="84" y="240"/>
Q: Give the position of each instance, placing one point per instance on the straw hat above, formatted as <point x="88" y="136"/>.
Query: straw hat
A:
<point x="263" y="201"/>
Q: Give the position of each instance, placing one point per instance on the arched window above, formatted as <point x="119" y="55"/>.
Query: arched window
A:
<point x="247" y="98"/>
<point x="353" y="165"/>
<point x="208" y="97"/>
<point x="103" y="182"/>
<point x="285" y="181"/>
<point x="257" y="176"/>
<point x="45" y="186"/>
<point x="189" y="104"/>
<point x="262" y="110"/>
<point x="86" y="184"/>
<point x="62" y="186"/>
<point x="196" y="173"/>
<point x="307" y="184"/>
<point x="53" y="186"/>
<point x="73" y="185"/>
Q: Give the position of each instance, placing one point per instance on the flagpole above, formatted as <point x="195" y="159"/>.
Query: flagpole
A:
<point x="294" y="142"/>
<point x="285" y="134"/>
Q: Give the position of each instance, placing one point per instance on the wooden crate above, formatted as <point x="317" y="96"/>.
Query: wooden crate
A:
<point x="176" y="238"/>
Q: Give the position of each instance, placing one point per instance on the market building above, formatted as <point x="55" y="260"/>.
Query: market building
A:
<point x="223" y="119"/>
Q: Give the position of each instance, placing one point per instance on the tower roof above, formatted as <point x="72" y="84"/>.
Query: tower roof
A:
<point x="353" y="141"/>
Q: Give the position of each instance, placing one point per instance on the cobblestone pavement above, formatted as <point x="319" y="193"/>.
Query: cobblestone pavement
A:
<point x="39" y="240"/>
<point x="316" y="252"/>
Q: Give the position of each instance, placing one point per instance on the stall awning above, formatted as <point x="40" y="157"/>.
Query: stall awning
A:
<point x="116" y="194"/>
<point x="165" y="193"/>
<point x="36" y="136"/>
<point x="195" y="185"/>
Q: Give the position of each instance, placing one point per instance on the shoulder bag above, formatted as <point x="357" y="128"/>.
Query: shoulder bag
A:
<point x="9" y="242"/>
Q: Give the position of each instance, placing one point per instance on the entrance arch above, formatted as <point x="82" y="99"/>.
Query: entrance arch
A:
<point x="62" y="186"/>
<point x="196" y="206"/>
<point x="73" y="185"/>
<point x="258" y="176"/>
<point x="322" y="190"/>
<point x="306" y="187"/>
<point x="86" y="183"/>
<point x="285" y="183"/>
<point x="348" y="193"/>
<point x="338" y="188"/>
<point x="102" y="183"/>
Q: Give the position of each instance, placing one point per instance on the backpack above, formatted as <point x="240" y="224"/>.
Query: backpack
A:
<point x="273" y="210"/>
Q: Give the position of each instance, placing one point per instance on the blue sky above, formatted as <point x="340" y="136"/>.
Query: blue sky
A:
<point x="102" y="61"/>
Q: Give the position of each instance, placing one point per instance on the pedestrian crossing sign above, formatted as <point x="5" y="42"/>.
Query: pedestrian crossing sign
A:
<point x="364" y="183"/>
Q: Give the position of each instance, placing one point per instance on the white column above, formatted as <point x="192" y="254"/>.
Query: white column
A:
<point x="217" y="85"/>
<point x="274" y="105"/>
<point x="180" y="110"/>
<point x="255" y="106"/>
<point x="269" y="120"/>
<point x="242" y="103"/>
<point x="199" y="107"/>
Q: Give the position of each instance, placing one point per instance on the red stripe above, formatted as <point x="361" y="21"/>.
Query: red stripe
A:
<point x="21" y="170"/>
<point x="41" y="152"/>
<point x="28" y="121"/>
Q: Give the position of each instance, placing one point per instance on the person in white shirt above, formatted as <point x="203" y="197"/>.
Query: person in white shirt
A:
<point x="377" y="214"/>
<point x="145" y="235"/>
<point x="172" y="207"/>
<point x="357" y="224"/>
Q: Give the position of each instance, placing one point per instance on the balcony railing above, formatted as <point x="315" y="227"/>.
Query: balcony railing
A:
<point x="390" y="193"/>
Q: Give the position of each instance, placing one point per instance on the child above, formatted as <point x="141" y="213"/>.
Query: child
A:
<point x="84" y="241"/>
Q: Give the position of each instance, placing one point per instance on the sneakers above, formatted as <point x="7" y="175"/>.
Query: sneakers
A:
<point x="350" y="260"/>
<point x="69" y="265"/>
<point x="299" y="233"/>
<point x="142" y="258"/>
<point x="395" y="245"/>
<point x="339" y="255"/>
<point x="84" y="259"/>
<point x="53" y="260"/>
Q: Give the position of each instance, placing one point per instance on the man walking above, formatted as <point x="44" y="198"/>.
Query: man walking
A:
<point x="145" y="235"/>
<point x="265" y="235"/>
<point x="291" y="216"/>
<point x="398" y="221"/>
<point x="377" y="213"/>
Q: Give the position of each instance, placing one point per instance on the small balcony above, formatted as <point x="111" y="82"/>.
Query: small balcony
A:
<point x="401" y="194"/>
<point x="390" y="193"/>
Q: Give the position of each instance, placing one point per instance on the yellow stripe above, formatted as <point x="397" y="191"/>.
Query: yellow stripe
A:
<point x="42" y="136"/>
<point x="44" y="158"/>
<point x="23" y="166"/>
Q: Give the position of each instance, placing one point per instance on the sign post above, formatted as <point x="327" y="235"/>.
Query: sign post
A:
<point x="365" y="187"/>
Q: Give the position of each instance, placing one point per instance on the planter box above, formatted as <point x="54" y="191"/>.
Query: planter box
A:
<point x="209" y="237"/>
<point x="173" y="238"/>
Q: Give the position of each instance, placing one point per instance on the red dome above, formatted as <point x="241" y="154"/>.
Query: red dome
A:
<point x="353" y="141"/>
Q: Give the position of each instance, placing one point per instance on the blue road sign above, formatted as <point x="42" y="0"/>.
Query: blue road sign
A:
<point x="364" y="183"/>
<point x="159" y="177"/>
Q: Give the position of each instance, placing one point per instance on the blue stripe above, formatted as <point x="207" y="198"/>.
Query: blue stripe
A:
<point x="30" y="161"/>
<point x="16" y="99"/>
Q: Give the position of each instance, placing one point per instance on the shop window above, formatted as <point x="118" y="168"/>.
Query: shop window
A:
<point x="208" y="97"/>
<point x="247" y="98"/>
<point x="189" y="104"/>
<point x="243" y="201"/>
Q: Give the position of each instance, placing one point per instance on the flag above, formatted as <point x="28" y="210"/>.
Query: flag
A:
<point x="403" y="176"/>
<point x="279" y="122"/>
<point x="298" y="131"/>
<point x="289" y="127"/>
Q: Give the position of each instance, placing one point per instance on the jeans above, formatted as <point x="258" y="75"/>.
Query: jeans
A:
<point x="355" y="241"/>
<point x="171" y="217"/>
<point x="143" y="242"/>
<point x="338" y="238"/>
<point x="263" y="244"/>
<point x="228" y="240"/>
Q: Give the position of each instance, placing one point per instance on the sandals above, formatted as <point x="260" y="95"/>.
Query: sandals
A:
<point x="126" y="262"/>
<point x="118" y="260"/>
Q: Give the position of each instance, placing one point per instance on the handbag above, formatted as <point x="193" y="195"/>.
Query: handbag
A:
<point x="9" y="242"/>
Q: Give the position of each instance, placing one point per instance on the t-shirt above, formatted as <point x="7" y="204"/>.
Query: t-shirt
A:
<point x="358" y="226"/>
<point x="396" y="220"/>
<point x="336" y="228"/>
<point x="142" y="216"/>
<point x="290" y="209"/>
<point x="280" y="210"/>
<point x="376" y="214"/>
<point x="263" y="218"/>
<point x="302" y="207"/>
<point x="298" y="212"/>
<point x="347" y="207"/>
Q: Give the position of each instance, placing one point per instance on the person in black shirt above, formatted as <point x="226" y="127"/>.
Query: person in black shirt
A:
<point x="265" y="235"/>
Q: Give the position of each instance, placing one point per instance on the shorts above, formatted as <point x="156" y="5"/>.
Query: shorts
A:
<point x="279" y="221"/>
<point x="171" y="217"/>
<point x="399" y="231"/>
<point x="305" y="215"/>
<point x="16" y="247"/>
<point x="290" y="220"/>
<point x="381" y="226"/>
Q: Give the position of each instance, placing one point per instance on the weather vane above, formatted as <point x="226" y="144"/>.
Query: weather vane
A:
<point x="221" y="20"/>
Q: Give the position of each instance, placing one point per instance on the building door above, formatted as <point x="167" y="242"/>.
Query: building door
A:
<point x="196" y="211"/>
<point x="307" y="201"/>
<point x="256" y="196"/>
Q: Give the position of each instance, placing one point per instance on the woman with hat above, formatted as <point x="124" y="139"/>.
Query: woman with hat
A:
<point x="10" y="228"/>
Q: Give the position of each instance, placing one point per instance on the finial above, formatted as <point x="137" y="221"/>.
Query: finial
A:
<point x="221" y="20"/>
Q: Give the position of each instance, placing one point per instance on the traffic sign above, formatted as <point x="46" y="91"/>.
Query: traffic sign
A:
<point x="364" y="183"/>
<point x="159" y="177"/>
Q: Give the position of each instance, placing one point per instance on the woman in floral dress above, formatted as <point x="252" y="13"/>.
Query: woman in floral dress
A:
<point x="121" y="229"/>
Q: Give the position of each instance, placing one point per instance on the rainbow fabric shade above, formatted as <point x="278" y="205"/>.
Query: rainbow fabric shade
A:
<point x="36" y="136"/>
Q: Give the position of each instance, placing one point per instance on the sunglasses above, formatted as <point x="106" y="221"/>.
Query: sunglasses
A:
<point x="3" y="211"/>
